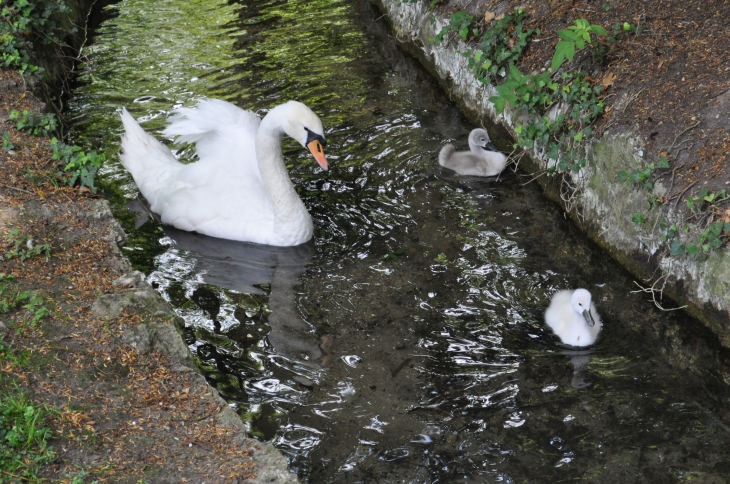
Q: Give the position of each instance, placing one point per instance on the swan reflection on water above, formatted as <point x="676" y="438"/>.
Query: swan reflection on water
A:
<point x="580" y="360"/>
<point x="246" y="267"/>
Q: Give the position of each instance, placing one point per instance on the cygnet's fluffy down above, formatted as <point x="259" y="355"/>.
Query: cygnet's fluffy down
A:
<point x="573" y="317"/>
<point x="483" y="160"/>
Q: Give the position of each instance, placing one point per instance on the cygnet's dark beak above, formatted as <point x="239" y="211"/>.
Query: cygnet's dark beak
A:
<point x="489" y="147"/>
<point x="588" y="318"/>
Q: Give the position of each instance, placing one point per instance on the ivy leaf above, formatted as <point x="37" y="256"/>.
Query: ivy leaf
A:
<point x="693" y="250"/>
<point x="638" y="218"/>
<point x="499" y="103"/>
<point x="677" y="249"/>
<point x="663" y="162"/>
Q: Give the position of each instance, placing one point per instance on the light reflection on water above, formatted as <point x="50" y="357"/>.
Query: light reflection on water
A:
<point x="406" y="342"/>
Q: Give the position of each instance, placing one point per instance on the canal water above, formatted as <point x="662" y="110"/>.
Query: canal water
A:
<point x="406" y="342"/>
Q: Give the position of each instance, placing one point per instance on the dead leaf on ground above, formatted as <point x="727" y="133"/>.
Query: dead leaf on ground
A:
<point x="608" y="80"/>
<point x="499" y="17"/>
<point x="488" y="16"/>
<point x="726" y="216"/>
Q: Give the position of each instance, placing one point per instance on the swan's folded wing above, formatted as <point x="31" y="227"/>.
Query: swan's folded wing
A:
<point x="216" y="127"/>
<point x="232" y="209"/>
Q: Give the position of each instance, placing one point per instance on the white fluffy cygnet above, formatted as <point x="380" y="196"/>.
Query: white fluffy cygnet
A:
<point x="483" y="160"/>
<point x="573" y="317"/>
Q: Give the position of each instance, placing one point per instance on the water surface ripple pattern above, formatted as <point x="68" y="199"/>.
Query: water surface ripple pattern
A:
<point x="405" y="343"/>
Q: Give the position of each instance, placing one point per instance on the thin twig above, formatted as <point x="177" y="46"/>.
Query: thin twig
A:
<point x="680" y="134"/>
<point x="18" y="189"/>
<point x="535" y="178"/>
<point x="679" y="195"/>
<point x="653" y="291"/>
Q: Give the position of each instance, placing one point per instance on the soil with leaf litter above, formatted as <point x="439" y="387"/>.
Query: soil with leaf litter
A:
<point x="124" y="416"/>
<point x="670" y="83"/>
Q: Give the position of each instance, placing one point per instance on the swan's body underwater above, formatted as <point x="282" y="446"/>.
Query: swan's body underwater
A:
<point x="483" y="160"/>
<point x="239" y="188"/>
<point x="573" y="317"/>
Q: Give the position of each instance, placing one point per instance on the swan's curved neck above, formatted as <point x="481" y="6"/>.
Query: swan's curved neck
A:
<point x="288" y="207"/>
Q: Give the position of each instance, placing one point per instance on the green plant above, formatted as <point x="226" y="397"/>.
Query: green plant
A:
<point x="24" y="248"/>
<point x="709" y="239"/>
<point x="82" y="166"/>
<point x="533" y="92"/>
<point x="7" y="144"/>
<point x="644" y="175"/>
<point x="696" y="202"/>
<point x="34" y="123"/>
<point x="638" y="218"/>
<point x="459" y="22"/>
<point x="26" y="24"/>
<point x="701" y="241"/>
<point x="501" y="45"/>
<point x="23" y="437"/>
<point x="575" y="37"/>
<point x="11" y="299"/>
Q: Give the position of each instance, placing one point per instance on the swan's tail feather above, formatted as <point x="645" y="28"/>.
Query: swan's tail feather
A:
<point x="445" y="154"/>
<point x="209" y="122"/>
<point x="149" y="161"/>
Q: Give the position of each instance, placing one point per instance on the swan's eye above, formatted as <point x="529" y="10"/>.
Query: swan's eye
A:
<point x="311" y="136"/>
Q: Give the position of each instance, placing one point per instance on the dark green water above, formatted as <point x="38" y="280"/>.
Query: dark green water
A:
<point x="406" y="343"/>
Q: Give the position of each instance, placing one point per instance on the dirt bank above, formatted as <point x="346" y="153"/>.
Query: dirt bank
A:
<point x="131" y="407"/>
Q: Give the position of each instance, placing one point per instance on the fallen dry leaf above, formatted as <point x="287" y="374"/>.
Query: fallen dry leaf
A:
<point x="726" y="216"/>
<point x="661" y="63"/>
<point x="499" y="17"/>
<point x="608" y="80"/>
<point x="488" y="16"/>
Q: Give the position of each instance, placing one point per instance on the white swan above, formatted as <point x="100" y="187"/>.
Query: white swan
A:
<point x="573" y="317"/>
<point x="239" y="188"/>
<point x="483" y="160"/>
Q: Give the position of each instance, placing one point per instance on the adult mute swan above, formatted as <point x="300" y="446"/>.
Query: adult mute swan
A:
<point x="239" y="188"/>
<point x="483" y="160"/>
<point x="573" y="317"/>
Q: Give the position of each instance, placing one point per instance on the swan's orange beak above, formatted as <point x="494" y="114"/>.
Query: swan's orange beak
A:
<point x="315" y="147"/>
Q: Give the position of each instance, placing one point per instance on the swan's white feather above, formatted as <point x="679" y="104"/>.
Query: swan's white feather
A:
<point x="569" y="325"/>
<point x="478" y="161"/>
<point x="222" y="194"/>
